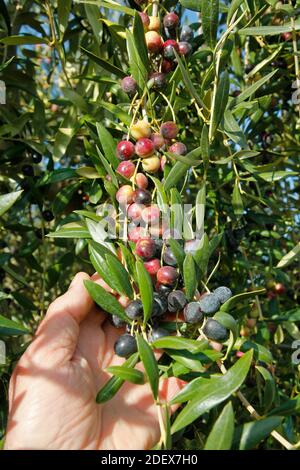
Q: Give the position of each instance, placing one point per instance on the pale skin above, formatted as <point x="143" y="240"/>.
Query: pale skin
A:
<point x="54" y="385"/>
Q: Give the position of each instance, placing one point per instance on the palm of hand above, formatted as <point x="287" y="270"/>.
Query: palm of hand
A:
<point x="53" y="388"/>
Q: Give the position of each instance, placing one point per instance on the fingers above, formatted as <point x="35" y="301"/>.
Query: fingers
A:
<point x="169" y="388"/>
<point x="58" y="333"/>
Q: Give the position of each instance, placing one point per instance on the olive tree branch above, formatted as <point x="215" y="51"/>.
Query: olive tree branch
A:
<point x="253" y="413"/>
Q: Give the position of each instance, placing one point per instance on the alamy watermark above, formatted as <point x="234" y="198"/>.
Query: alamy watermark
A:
<point x="296" y="353"/>
<point x="2" y="353"/>
<point x="181" y="222"/>
<point x="296" y="93"/>
<point x="2" y="92"/>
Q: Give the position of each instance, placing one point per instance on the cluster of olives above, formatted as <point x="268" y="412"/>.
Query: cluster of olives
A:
<point x="167" y="301"/>
<point x="147" y="147"/>
<point x="162" y="39"/>
<point x="141" y="153"/>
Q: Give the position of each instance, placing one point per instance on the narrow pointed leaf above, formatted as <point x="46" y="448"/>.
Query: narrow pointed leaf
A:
<point x="221" y="435"/>
<point x="105" y="300"/>
<point x="214" y="393"/>
<point x="146" y="289"/>
<point x="127" y="373"/>
<point x="150" y="364"/>
<point x="113" y="385"/>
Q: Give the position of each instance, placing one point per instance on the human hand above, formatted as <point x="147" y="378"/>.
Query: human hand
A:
<point x="54" y="385"/>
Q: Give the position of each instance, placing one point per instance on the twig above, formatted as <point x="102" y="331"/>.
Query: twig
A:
<point x="279" y="438"/>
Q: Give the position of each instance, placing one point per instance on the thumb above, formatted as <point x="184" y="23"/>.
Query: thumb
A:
<point x="58" y="333"/>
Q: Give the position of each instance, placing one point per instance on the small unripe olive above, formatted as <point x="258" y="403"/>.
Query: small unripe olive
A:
<point x="140" y="129"/>
<point x="151" y="165"/>
<point x="154" y="42"/>
<point x="125" y="194"/>
<point x="154" y="23"/>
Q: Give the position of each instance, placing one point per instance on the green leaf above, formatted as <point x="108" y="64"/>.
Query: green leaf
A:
<point x="175" y="210"/>
<point x="140" y="43"/>
<point x="150" y="364"/>
<point x="108" y="66"/>
<point x="15" y="275"/>
<point x="8" y="200"/>
<point x="63" y="198"/>
<point x="230" y="323"/>
<point x="108" y="391"/>
<point x="177" y="251"/>
<point x="231" y="303"/>
<point x="183" y="158"/>
<point x="127" y="373"/>
<point x="119" y="272"/>
<point x="210" y="20"/>
<point x="191" y="4"/>
<point x="285" y="261"/>
<point x="4" y="296"/>
<point x="190" y="390"/>
<point x="249" y="91"/>
<point x="108" y="168"/>
<point x="105" y="300"/>
<point x="200" y="208"/>
<point x="24" y="301"/>
<point x="110" y="6"/>
<point x="260" y="353"/>
<point x="63" y="12"/>
<point x="221" y="435"/>
<point x="237" y="200"/>
<point x="88" y="172"/>
<point x="254" y="432"/>
<point x="129" y="261"/>
<point x="176" y="174"/>
<point x="189" y="276"/>
<point x="269" y="30"/>
<point x="235" y="4"/>
<point x="94" y="16"/>
<point x="76" y="99"/>
<point x="162" y="200"/>
<point x="6" y="64"/>
<point x="188" y="82"/>
<point x="269" y="388"/>
<point x="117" y="112"/>
<point x="23" y="40"/>
<point x="146" y="289"/>
<point x="108" y="145"/>
<point x="179" y="343"/>
<point x="233" y="131"/>
<point x="70" y="231"/>
<point x="201" y="256"/>
<point x="264" y="62"/>
<point x="11" y="328"/>
<point x="137" y="67"/>
<point x="98" y="254"/>
<point x="288" y="408"/>
<point x="220" y="102"/>
<point x="64" y="136"/>
<point x="56" y="176"/>
<point x="213" y="393"/>
<point x="194" y="361"/>
<point x="205" y="146"/>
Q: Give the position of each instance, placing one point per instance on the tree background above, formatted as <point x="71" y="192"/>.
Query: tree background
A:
<point x="61" y="63"/>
